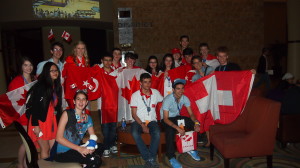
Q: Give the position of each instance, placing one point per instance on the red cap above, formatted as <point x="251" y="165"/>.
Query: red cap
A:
<point x="175" y="50"/>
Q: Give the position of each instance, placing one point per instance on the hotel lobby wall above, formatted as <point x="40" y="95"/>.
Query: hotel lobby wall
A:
<point x="238" y="24"/>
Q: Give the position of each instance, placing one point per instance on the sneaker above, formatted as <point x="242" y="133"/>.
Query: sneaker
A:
<point x="153" y="163"/>
<point x="194" y="155"/>
<point x="106" y="153"/>
<point x="114" y="149"/>
<point x="175" y="163"/>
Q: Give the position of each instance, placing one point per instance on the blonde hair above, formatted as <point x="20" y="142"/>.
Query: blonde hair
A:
<point x="85" y="54"/>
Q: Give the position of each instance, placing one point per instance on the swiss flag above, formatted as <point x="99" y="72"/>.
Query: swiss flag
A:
<point x="128" y="82"/>
<point x="50" y="35"/>
<point x="66" y="36"/>
<point x="219" y="97"/>
<point x="12" y="104"/>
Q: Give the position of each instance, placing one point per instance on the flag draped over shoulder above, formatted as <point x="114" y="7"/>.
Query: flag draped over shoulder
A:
<point x="128" y="82"/>
<point x="12" y="104"/>
<point x="219" y="97"/>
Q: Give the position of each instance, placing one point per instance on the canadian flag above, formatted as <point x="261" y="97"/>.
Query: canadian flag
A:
<point x="66" y="36"/>
<point x="128" y="82"/>
<point x="219" y="97"/>
<point x="50" y="35"/>
<point x="12" y="104"/>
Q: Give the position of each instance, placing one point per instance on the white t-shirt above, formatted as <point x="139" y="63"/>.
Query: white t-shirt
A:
<point x="141" y="105"/>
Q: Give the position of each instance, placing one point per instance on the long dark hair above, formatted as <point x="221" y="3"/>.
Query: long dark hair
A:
<point x="163" y="65"/>
<point x="148" y="68"/>
<point x="50" y="86"/>
<point x="21" y="62"/>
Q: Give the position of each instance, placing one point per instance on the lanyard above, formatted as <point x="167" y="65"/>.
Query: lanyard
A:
<point x="148" y="107"/>
<point x="26" y="82"/>
<point x="169" y="81"/>
<point x="223" y="68"/>
<point x="178" y="106"/>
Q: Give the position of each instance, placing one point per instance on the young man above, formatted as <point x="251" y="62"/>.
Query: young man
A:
<point x="263" y="68"/>
<point x="57" y="50"/>
<point x="116" y="62"/>
<point x="222" y="55"/>
<point x="108" y="129"/>
<point x="207" y="59"/>
<point x="143" y="103"/>
<point x="184" y="42"/>
<point x="170" y="112"/>
<point x="187" y="56"/>
<point x="130" y="60"/>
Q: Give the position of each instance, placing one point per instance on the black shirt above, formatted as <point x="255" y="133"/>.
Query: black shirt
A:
<point x="228" y="67"/>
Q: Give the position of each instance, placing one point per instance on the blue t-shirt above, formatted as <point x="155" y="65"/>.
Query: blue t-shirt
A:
<point x="74" y="131"/>
<point x="198" y="76"/>
<point x="170" y="104"/>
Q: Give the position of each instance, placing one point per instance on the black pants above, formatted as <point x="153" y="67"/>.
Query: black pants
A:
<point x="170" y="133"/>
<point x="91" y="160"/>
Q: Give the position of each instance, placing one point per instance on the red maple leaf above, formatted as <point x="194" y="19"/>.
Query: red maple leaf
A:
<point x="22" y="101"/>
<point x="134" y="86"/>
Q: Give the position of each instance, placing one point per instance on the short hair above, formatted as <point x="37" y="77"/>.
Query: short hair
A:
<point x="179" y="83"/>
<point x="265" y="49"/>
<point x="203" y="45"/>
<point x="196" y="57"/>
<point x="107" y="55"/>
<point x="115" y="49"/>
<point x="145" y="76"/>
<point x="222" y="49"/>
<point x="188" y="51"/>
<point x="130" y="55"/>
<point x="57" y="44"/>
<point x="184" y="36"/>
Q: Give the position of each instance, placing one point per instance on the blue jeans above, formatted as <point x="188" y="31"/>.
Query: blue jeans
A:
<point x="109" y="133"/>
<point x="136" y="131"/>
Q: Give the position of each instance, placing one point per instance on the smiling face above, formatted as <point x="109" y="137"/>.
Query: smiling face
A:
<point x="80" y="101"/>
<point x="146" y="83"/>
<point x="184" y="43"/>
<point x="27" y="67"/>
<point x="222" y="57"/>
<point x="204" y="51"/>
<point x="57" y="52"/>
<point x="176" y="56"/>
<point x="54" y="72"/>
<point x="79" y="50"/>
<point x="168" y="62"/>
<point x="130" y="62"/>
<point x="152" y="63"/>
<point x="178" y="90"/>
<point x="107" y="62"/>
<point x="197" y="64"/>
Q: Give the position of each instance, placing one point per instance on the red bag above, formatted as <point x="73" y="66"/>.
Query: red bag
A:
<point x="187" y="142"/>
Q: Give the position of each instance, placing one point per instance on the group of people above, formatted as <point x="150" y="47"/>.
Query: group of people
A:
<point x="52" y="128"/>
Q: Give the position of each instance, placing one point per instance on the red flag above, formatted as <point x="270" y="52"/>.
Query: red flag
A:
<point x="179" y="72"/>
<point x="12" y="104"/>
<point x="80" y="78"/>
<point x="109" y="94"/>
<point x="50" y="35"/>
<point x="66" y="36"/>
<point x="219" y="97"/>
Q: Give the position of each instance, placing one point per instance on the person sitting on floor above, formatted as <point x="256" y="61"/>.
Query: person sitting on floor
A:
<point x="143" y="103"/>
<point x="170" y="112"/>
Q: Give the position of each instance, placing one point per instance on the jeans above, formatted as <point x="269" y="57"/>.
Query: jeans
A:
<point x="136" y="131"/>
<point x="109" y="133"/>
<point x="170" y="133"/>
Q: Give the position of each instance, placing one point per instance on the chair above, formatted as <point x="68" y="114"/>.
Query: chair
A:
<point x="32" y="154"/>
<point x="251" y="134"/>
<point x="289" y="125"/>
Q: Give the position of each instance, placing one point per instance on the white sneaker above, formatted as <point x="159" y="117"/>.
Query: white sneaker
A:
<point x="106" y="153"/>
<point x="114" y="149"/>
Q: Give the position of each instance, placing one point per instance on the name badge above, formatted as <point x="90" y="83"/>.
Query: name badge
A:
<point x="181" y="123"/>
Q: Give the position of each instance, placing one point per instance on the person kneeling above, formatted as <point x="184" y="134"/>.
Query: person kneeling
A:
<point x="143" y="103"/>
<point x="170" y="113"/>
<point x="71" y="128"/>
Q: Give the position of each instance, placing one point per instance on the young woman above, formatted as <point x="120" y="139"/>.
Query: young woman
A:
<point x="71" y="128"/>
<point x="79" y="56"/>
<point x="198" y="71"/>
<point x="117" y="56"/>
<point x="45" y="108"/>
<point x="152" y="65"/>
<point x="166" y="65"/>
<point x="26" y="76"/>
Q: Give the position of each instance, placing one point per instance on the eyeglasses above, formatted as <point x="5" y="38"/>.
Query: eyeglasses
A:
<point x="57" y="49"/>
<point x="53" y="71"/>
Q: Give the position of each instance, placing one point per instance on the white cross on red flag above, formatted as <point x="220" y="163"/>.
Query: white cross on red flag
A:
<point x="219" y="98"/>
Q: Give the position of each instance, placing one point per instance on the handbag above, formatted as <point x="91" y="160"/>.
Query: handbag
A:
<point x="187" y="142"/>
